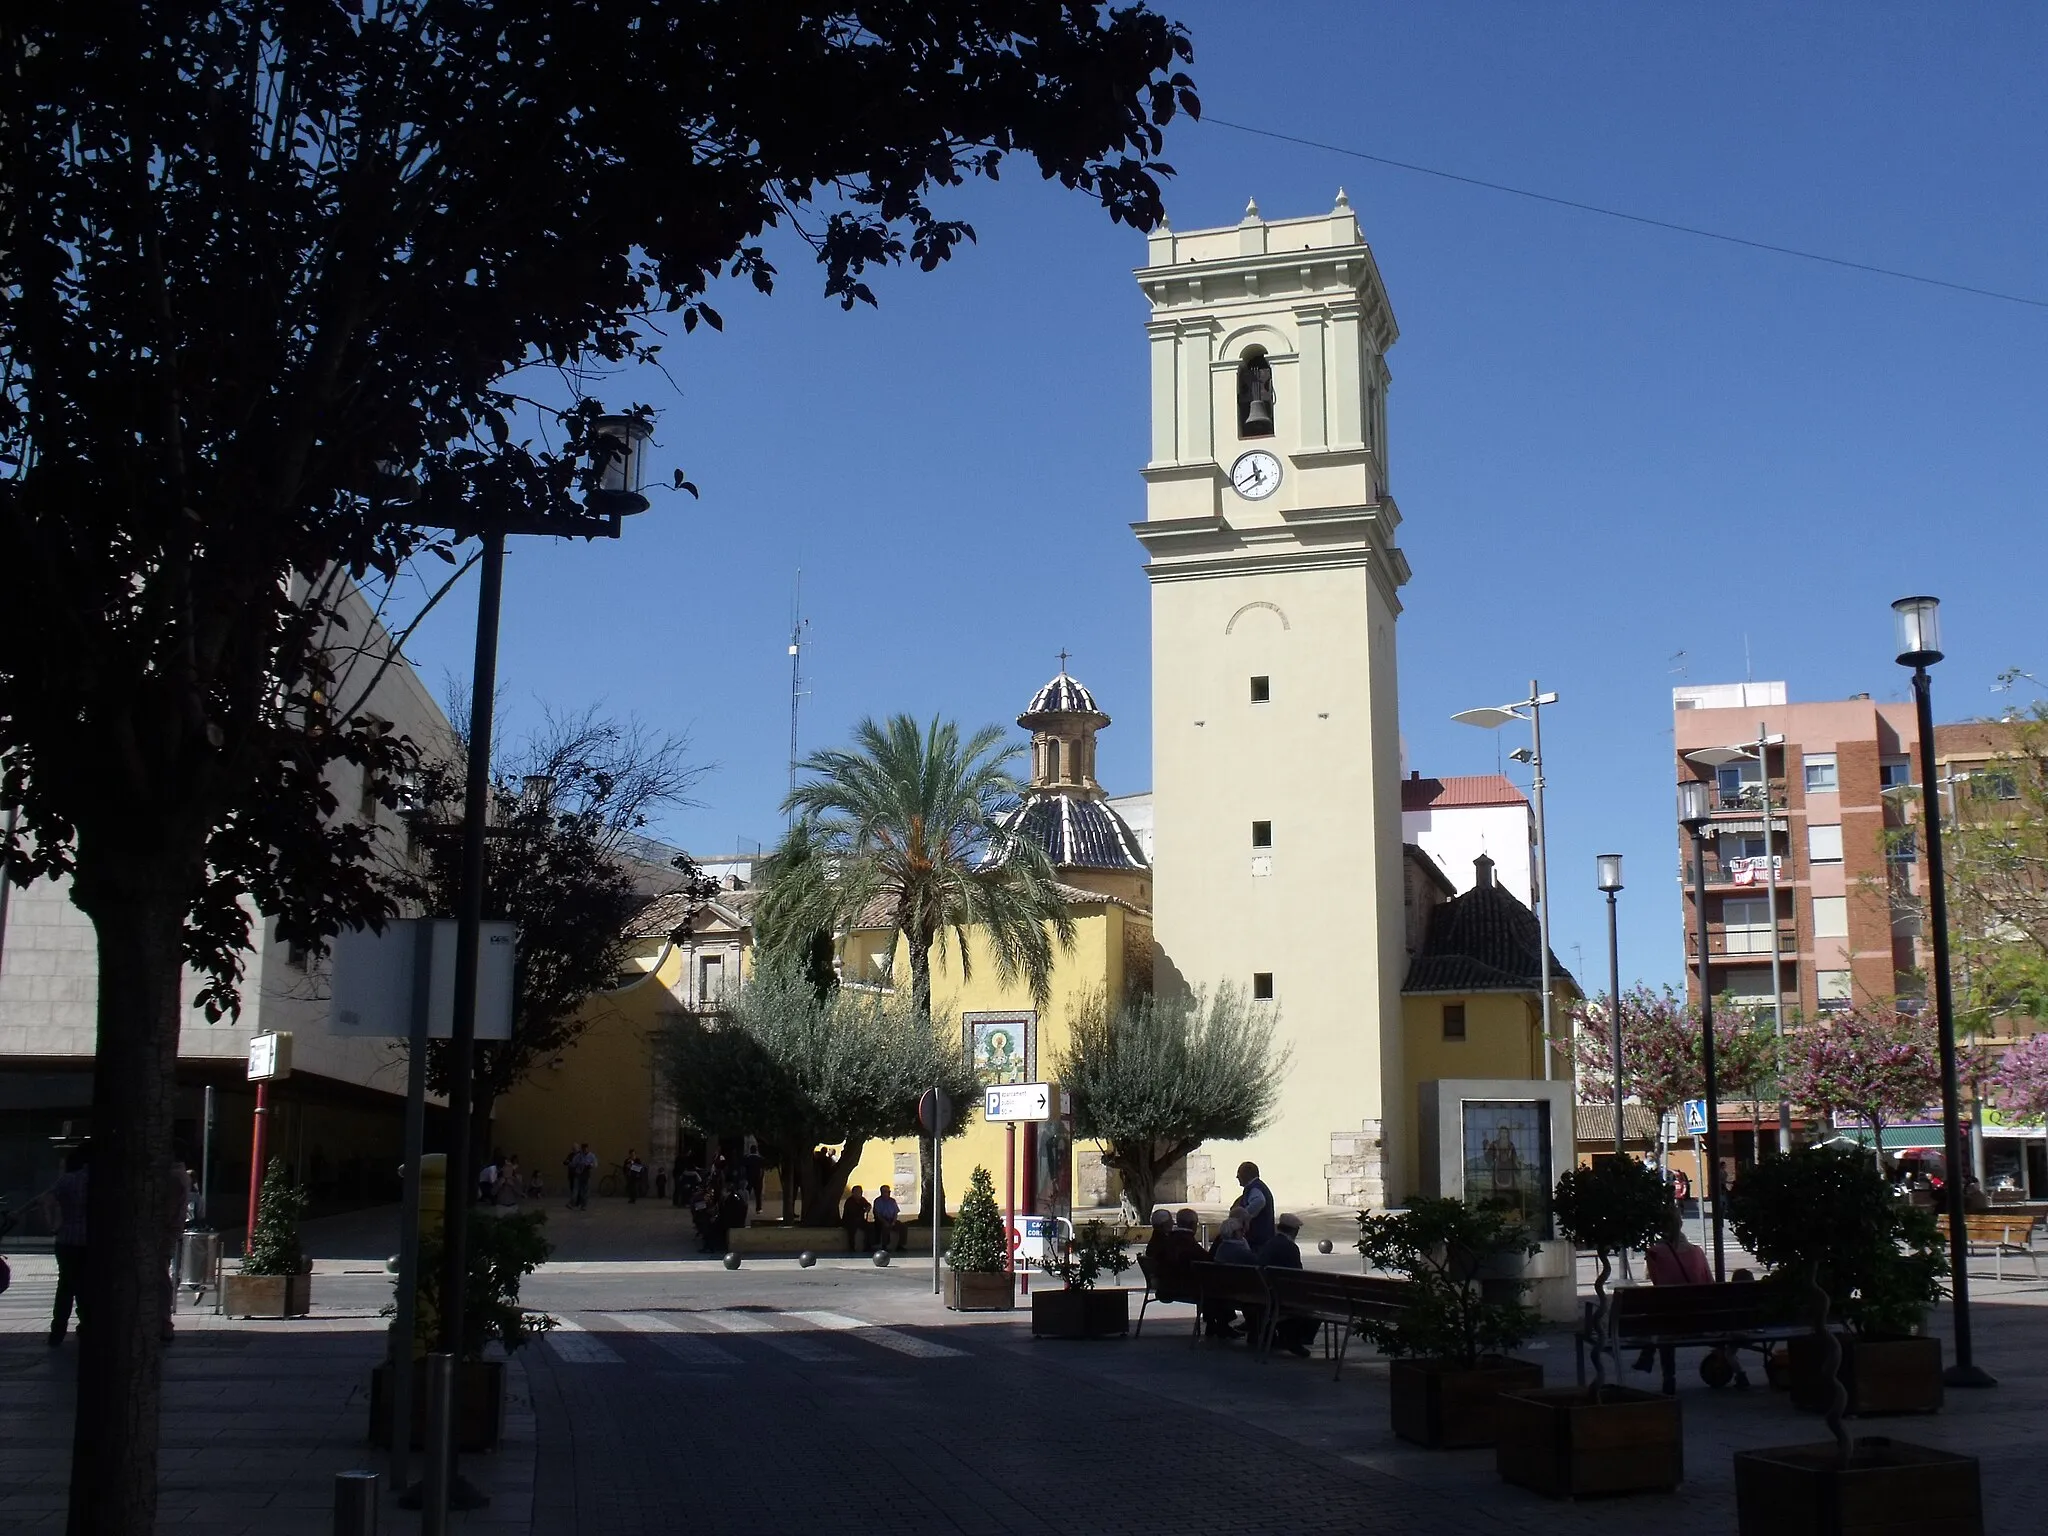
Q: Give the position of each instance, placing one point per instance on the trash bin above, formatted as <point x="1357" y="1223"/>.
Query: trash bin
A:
<point x="198" y="1260"/>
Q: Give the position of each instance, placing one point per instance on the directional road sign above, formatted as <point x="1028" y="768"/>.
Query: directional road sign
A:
<point x="1022" y="1101"/>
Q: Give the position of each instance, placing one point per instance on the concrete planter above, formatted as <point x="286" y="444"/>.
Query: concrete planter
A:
<point x="266" y="1295"/>
<point x="1080" y="1314"/>
<point x="1880" y="1375"/>
<point x="479" y="1404"/>
<point x="1448" y="1406"/>
<point x="970" y="1291"/>
<point x="1562" y="1443"/>
<point x="1891" y="1488"/>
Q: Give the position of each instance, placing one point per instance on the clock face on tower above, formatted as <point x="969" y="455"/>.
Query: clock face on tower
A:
<point x="1255" y="475"/>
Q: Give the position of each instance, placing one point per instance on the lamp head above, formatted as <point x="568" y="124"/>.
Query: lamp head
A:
<point x="1522" y="755"/>
<point x="1491" y="719"/>
<point x="1609" y="865"/>
<point x="622" y="482"/>
<point x="1918" y="623"/>
<point x="1695" y="803"/>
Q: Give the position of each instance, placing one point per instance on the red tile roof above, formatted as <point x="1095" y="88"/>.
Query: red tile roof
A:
<point x="1419" y="794"/>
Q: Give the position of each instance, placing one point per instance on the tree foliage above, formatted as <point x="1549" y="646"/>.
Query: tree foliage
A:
<point x="805" y="1073"/>
<point x="1445" y="1248"/>
<point x="266" y="274"/>
<point x="1609" y="1206"/>
<point x="790" y="930"/>
<point x="274" y="1247"/>
<point x="1661" y="1062"/>
<point x="1160" y="1075"/>
<point x="2021" y="1080"/>
<point x="1875" y="1061"/>
<point x="566" y="809"/>
<point x="978" y="1244"/>
<point x="907" y="830"/>
<point x="503" y="1249"/>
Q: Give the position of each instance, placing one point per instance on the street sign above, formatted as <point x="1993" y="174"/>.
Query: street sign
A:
<point x="1695" y="1117"/>
<point x="1021" y="1101"/>
<point x="934" y="1111"/>
<point x="270" y="1056"/>
<point x="372" y="984"/>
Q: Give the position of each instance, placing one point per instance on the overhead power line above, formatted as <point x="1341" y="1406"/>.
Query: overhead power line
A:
<point x="1634" y="218"/>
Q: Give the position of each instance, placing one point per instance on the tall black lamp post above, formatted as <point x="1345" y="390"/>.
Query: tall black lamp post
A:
<point x="1919" y="639"/>
<point x="1609" y="865"/>
<point x="1695" y="808"/>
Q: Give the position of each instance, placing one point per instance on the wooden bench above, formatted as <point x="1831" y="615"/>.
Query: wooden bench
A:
<point x="1666" y="1318"/>
<point x="1999" y="1233"/>
<point x="1338" y="1301"/>
<point x="1239" y="1285"/>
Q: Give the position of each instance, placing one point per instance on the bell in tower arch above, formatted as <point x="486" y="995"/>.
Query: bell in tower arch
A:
<point x="1255" y="395"/>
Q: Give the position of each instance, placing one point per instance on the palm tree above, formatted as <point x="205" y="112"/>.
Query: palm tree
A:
<point x="910" y="823"/>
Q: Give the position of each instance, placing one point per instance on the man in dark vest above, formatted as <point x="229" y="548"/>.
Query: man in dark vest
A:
<point x="1255" y="1205"/>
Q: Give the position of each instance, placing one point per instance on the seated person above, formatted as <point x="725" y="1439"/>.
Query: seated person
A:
<point x="1230" y="1248"/>
<point x="1156" y="1246"/>
<point x="1674" y="1259"/>
<point x="1283" y="1251"/>
<point x="1170" y="1278"/>
<point x="889" y="1219"/>
<point x="854" y="1217"/>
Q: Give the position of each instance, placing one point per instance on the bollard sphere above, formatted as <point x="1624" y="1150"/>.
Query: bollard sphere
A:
<point x="1325" y="1246"/>
<point x="732" y="1261"/>
<point x="881" y="1258"/>
<point x="806" y="1259"/>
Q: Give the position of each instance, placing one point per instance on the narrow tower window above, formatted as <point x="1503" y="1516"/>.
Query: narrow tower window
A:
<point x="1262" y="834"/>
<point x="1254" y="394"/>
<point x="1454" y="1021"/>
<point x="1052" y="761"/>
<point x="1262" y="690"/>
<point x="1262" y="986"/>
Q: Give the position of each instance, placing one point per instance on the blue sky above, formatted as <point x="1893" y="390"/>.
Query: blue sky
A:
<point x="1626" y="458"/>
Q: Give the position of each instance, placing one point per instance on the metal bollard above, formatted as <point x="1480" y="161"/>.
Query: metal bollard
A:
<point x="355" y="1503"/>
<point x="439" y="1456"/>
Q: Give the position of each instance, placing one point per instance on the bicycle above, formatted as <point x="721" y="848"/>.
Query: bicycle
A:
<point x="613" y="1183"/>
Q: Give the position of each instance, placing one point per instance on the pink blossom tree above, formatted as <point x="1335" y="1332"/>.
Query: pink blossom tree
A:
<point x="1876" y="1062"/>
<point x="2021" y="1080"/>
<point x="1660" y="1050"/>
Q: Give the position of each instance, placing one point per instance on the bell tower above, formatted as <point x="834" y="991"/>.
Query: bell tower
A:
<point x="1275" y="585"/>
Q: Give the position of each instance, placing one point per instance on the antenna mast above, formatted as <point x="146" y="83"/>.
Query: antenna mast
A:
<point x="797" y="626"/>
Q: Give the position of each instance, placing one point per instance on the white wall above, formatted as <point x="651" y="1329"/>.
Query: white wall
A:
<point x="1457" y="835"/>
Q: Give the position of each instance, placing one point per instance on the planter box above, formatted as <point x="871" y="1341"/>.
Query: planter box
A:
<point x="266" y="1295"/>
<point x="1441" y="1405"/>
<point x="968" y="1291"/>
<point x="1098" y="1314"/>
<point x="1561" y="1443"/>
<point x="1890" y="1489"/>
<point x="1880" y="1375"/>
<point x="479" y="1404"/>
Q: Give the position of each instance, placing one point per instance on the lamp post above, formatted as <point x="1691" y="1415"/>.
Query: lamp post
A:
<point x="621" y="442"/>
<point x="1695" y="807"/>
<point x="1493" y="719"/>
<point x="1919" y="641"/>
<point x="1609" y="865"/>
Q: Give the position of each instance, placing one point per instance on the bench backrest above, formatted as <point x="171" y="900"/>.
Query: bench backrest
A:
<point x="1353" y="1294"/>
<point x="1229" y="1282"/>
<point x="1708" y="1308"/>
<point x="1997" y="1227"/>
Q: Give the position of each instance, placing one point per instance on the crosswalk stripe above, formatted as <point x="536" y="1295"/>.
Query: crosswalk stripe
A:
<point x="684" y="1348"/>
<point x="738" y="1322"/>
<point x="830" y="1319"/>
<point x="888" y="1338"/>
<point x="806" y="1347"/>
<point x="573" y="1345"/>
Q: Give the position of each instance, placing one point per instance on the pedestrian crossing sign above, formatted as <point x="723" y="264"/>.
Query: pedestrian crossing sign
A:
<point x="1695" y="1117"/>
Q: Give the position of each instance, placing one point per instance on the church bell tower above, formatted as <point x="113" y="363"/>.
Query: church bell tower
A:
<point x="1269" y="543"/>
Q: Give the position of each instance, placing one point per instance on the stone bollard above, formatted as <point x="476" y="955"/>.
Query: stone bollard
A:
<point x="806" y="1259"/>
<point x="355" y="1503"/>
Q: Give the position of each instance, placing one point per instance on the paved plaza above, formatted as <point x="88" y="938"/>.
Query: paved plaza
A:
<point x="678" y="1395"/>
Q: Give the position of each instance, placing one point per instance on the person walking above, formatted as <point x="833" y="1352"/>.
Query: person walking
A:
<point x="67" y="1195"/>
<point x="636" y="1173"/>
<point x="580" y="1163"/>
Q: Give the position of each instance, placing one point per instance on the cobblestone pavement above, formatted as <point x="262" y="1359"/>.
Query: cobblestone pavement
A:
<point x="775" y="1399"/>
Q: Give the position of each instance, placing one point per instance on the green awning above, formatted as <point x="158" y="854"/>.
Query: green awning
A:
<point x="1897" y="1138"/>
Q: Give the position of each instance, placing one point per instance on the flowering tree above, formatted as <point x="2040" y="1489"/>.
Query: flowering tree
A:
<point x="1873" y="1061"/>
<point x="1660" y="1050"/>
<point x="2021" y="1080"/>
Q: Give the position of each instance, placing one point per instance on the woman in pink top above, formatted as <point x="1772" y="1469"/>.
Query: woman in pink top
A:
<point x="1674" y="1259"/>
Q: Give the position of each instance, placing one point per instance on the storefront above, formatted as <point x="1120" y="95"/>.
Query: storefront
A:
<point x="2015" y="1158"/>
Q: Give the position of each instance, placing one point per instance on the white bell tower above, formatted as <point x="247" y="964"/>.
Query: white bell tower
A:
<point x="1275" y="730"/>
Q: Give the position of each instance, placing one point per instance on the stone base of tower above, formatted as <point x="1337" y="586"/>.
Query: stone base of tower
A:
<point x="1356" y="1174"/>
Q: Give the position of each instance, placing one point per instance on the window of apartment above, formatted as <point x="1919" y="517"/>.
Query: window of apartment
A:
<point x="1747" y="921"/>
<point x="1262" y="834"/>
<point x="1894" y="773"/>
<point x="1902" y="847"/>
<point x="1820" y="773"/>
<point x="710" y="979"/>
<point x="1262" y="986"/>
<point x="1831" y="917"/>
<point x="1454" y="1021"/>
<point x="1994" y="784"/>
<point x="1824" y="843"/>
<point x="1833" y="988"/>
<point x="1262" y="690"/>
<point x="1749" y="986"/>
<point x="1732" y="777"/>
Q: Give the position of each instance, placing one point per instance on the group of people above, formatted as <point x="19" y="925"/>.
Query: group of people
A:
<point x="1251" y="1234"/>
<point x="870" y="1224"/>
<point x="717" y="1200"/>
<point x="502" y="1182"/>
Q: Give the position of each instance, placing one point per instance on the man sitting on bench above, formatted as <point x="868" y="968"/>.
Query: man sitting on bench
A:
<point x="1283" y="1251"/>
<point x="1231" y="1248"/>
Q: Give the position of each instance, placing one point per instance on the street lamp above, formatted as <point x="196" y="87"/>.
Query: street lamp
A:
<point x="1492" y="719"/>
<point x="1609" y="865"/>
<point x="1695" y="808"/>
<point x="1919" y="640"/>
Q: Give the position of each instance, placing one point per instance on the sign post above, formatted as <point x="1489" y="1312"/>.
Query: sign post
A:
<point x="1695" y="1127"/>
<point x="270" y="1058"/>
<point x="1008" y="1105"/>
<point x="934" y="1110"/>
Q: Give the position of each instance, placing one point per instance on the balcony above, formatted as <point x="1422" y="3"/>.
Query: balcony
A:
<point x="1746" y="871"/>
<point x="1745" y="943"/>
<point x="1748" y="797"/>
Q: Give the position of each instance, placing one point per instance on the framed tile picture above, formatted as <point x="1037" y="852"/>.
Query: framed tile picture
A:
<point x="1003" y="1047"/>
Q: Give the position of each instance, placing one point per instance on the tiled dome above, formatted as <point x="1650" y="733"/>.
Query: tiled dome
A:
<point x="1078" y="833"/>
<point x="1064" y="695"/>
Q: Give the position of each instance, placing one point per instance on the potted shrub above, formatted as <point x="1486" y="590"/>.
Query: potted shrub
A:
<point x="1078" y="1310"/>
<point x="276" y="1278"/>
<point x="1449" y="1345"/>
<point x="1823" y="1217"/>
<point x="1569" y="1441"/>
<point x="1890" y="1364"/>
<point x="503" y="1250"/>
<point x="978" y="1277"/>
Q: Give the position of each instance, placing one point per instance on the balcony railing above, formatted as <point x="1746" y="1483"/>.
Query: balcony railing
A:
<point x="1749" y="797"/>
<point x="1746" y="942"/>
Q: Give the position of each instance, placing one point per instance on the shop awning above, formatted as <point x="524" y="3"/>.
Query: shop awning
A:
<point x="1897" y="1138"/>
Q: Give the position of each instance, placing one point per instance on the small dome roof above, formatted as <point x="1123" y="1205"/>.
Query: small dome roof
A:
<point x="1064" y="695"/>
<point x="1077" y="833"/>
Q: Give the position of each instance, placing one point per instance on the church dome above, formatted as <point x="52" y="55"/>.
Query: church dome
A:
<point x="1077" y="832"/>
<point x="1064" y="695"/>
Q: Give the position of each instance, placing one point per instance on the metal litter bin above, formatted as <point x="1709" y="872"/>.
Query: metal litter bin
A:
<point x="199" y="1261"/>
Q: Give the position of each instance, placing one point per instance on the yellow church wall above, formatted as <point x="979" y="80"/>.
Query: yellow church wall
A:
<point x="602" y="1090"/>
<point x="1503" y="1039"/>
<point x="1096" y="964"/>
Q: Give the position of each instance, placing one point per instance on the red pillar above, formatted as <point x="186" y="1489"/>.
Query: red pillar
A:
<point x="256" y="1161"/>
